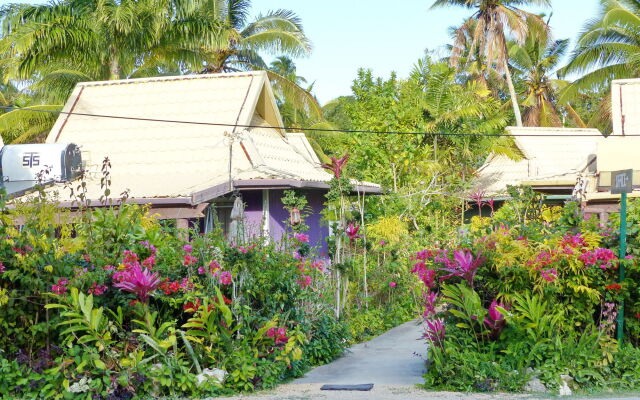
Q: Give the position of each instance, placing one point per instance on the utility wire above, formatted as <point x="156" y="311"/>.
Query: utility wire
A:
<point x="320" y="130"/>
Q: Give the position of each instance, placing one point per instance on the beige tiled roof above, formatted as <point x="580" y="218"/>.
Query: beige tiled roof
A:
<point x="546" y="158"/>
<point x="154" y="159"/>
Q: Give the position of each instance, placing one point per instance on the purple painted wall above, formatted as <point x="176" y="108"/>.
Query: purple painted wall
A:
<point x="318" y="232"/>
<point x="253" y="213"/>
<point x="253" y="201"/>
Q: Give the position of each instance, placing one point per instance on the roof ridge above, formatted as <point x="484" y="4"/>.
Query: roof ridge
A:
<point x="169" y="78"/>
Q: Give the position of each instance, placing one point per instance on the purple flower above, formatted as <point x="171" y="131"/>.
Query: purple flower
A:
<point x="392" y="284"/>
<point x="2" y="269"/>
<point x="187" y="248"/>
<point x="435" y="331"/>
<point x="465" y="266"/>
<point x="139" y="281"/>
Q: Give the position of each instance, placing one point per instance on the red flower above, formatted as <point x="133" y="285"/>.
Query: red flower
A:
<point x="613" y="286"/>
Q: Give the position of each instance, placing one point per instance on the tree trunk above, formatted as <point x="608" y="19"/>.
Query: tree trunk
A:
<point x="114" y="67"/>
<point x="512" y="93"/>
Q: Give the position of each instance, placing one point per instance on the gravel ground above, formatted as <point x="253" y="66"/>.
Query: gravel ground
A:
<point x="311" y="391"/>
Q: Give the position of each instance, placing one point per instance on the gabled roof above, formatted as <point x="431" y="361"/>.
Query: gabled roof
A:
<point x="181" y="159"/>
<point x="547" y="159"/>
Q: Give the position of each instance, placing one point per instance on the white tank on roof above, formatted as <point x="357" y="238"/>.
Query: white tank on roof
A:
<point x="23" y="166"/>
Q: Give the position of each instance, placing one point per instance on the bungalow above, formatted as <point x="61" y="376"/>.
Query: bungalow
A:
<point x="576" y="164"/>
<point x="552" y="162"/>
<point x="189" y="146"/>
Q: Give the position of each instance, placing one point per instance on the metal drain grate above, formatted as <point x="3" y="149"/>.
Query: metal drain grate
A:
<point x="361" y="388"/>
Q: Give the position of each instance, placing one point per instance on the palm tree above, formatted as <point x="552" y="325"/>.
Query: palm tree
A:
<point x="608" y="48"/>
<point x="285" y="67"/>
<point x="535" y="62"/>
<point x="278" y="32"/>
<point x="54" y="46"/>
<point x="492" y="19"/>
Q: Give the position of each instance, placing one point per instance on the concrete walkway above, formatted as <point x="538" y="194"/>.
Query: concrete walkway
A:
<point x="394" y="363"/>
<point x="393" y="358"/>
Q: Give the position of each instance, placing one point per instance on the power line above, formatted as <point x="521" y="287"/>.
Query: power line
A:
<point x="319" y="130"/>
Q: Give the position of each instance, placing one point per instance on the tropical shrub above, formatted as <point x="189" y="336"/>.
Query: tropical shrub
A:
<point x="531" y="291"/>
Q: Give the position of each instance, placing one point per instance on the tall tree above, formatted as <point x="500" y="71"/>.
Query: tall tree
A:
<point x="608" y="48"/>
<point x="51" y="47"/>
<point x="277" y="32"/>
<point x="535" y="62"/>
<point x="493" y="20"/>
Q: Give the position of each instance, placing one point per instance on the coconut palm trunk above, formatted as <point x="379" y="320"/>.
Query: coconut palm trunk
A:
<point x="512" y="94"/>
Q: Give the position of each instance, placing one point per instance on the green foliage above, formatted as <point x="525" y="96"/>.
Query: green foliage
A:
<point x="70" y="330"/>
<point x="543" y="301"/>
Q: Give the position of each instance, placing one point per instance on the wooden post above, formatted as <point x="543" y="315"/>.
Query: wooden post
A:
<point x="183" y="224"/>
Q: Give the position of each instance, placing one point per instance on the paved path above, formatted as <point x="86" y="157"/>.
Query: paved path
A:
<point x="393" y="358"/>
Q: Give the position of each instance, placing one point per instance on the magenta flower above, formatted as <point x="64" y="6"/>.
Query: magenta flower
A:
<point x="149" y="261"/>
<point x="201" y="270"/>
<point x="61" y="287"/>
<point x="301" y="237"/>
<point x="97" y="290"/>
<point x="495" y="322"/>
<point x="392" y="284"/>
<point x="549" y="275"/>
<point x="129" y="257"/>
<point x="304" y="281"/>
<point x="140" y="281"/>
<point x="336" y="165"/>
<point x="352" y="231"/>
<point x="187" y="248"/>
<point x="431" y="298"/>
<point x="465" y="266"/>
<point x="225" y="278"/>
<point x="435" y="331"/>
<point x="2" y="268"/>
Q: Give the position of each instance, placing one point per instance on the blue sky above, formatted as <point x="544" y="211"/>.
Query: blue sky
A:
<point x="387" y="36"/>
<point x="384" y="36"/>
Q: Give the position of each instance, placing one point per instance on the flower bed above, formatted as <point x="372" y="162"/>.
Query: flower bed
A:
<point x="117" y="306"/>
<point x="522" y="301"/>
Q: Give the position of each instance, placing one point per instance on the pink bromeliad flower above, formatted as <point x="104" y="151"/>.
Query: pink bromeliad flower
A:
<point x="431" y="298"/>
<point x="2" y="269"/>
<point x="336" y="165"/>
<point x="495" y="322"/>
<point x="140" y="281"/>
<point x="435" y="331"/>
<point x="352" y="231"/>
<point x="465" y="266"/>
